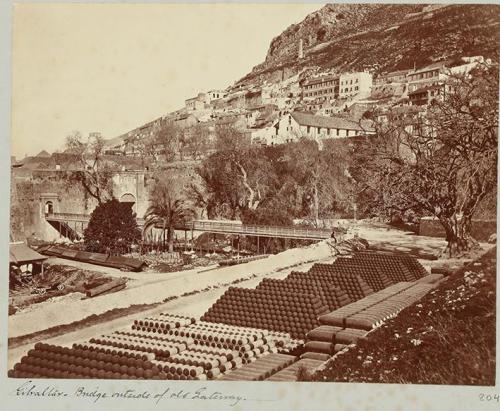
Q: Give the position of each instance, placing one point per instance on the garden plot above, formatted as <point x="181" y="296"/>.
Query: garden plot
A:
<point x="56" y="283"/>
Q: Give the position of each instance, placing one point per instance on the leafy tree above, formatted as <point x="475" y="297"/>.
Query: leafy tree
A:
<point x="167" y="209"/>
<point x="112" y="228"/>
<point x="442" y="161"/>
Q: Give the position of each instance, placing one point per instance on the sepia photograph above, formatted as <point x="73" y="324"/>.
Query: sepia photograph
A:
<point x="270" y="193"/>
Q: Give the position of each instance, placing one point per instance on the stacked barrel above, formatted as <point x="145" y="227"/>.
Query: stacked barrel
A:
<point x="290" y="373"/>
<point x="261" y="369"/>
<point x="157" y="347"/>
<point x="372" y="275"/>
<point x="274" y="309"/>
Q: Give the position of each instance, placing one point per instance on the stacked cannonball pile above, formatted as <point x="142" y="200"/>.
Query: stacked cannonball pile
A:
<point x="413" y="265"/>
<point x="393" y="265"/>
<point x="375" y="278"/>
<point x="297" y="286"/>
<point x="279" y="310"/>
<point x="52" y="361"/>
<point x="416" y="269"/>
<point x="355" y="287"/>
<point x="336" y="297"/>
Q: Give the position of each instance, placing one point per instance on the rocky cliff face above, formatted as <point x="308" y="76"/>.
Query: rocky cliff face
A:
<point x="380" y="37"/>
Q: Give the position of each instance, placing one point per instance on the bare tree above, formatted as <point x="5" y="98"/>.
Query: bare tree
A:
<point x="167" y="139"/>
<point x="441" y="161"/>
<point x="197" y="140"/>
<point x="92" y="173"/>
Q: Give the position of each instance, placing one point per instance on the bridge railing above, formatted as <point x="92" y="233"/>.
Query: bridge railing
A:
<point x="262" y="230"/>
<point x="67" y="216"/>
<point x="77" y="217"/>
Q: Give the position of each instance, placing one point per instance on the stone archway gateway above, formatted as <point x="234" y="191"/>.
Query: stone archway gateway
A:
<point x="128" y="199"/>
<point x="49" y="207"/>
<point x="49" y="204"/>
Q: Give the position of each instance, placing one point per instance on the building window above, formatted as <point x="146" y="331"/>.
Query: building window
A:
<point x="308" y="129"/>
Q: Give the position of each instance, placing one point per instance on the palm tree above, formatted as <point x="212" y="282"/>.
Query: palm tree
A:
<point x="166" y="210"/>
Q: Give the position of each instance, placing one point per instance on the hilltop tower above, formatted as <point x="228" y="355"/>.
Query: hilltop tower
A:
<point x="301" y="49"/>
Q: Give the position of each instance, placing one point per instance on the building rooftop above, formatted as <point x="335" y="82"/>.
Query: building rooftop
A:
<point x="20" y="253"/>
<point x="43" y="154"/>
<point x="433" y="66"/>
<point x="321" y="79"/>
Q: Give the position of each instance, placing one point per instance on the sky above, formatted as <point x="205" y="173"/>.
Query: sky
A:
<point x="113" y="67"/>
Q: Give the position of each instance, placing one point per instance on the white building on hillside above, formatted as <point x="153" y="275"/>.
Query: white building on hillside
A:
<point x="355" y="85"/>
<point x="296" y="125"/>
<point x="214" y="95"/>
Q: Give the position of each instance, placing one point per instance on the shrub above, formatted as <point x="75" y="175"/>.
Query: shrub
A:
<point x="112" y="228"/>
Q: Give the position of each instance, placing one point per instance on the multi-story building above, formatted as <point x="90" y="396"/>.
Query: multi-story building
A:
<point x="358" y="84"/>
<point x="431" y="75"/>
<point x="400" y="76"/>
<point x="428" y="83"/>
<point x="321" y="89"/>
<point x="425" y="95"/>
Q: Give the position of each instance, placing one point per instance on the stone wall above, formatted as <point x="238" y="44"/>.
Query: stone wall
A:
<point x="27" y="205"/>
<point x="31" y="189"/>
<point x="481" y="229"/>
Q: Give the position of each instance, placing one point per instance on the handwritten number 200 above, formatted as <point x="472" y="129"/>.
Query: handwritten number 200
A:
<point x="489" y="397"/>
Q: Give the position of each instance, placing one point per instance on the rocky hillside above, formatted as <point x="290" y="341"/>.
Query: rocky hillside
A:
<point x="380" y="37"/>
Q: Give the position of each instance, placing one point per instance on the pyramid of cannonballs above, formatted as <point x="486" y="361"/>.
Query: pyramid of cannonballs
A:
<point x="353" y="284"/>
<point x="372" y="274"/>
<point x="332" y="297"/>
<point x="272" y="309"/>
<point x="336" y="297"/>
<point x="398" y="267"/>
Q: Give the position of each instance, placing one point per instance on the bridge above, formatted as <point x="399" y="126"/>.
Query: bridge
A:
<point x="292" y="232"/>
<point x="63" y="222"/>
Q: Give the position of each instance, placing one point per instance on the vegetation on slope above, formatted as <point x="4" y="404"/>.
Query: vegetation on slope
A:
<point x="446" y="338"/>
